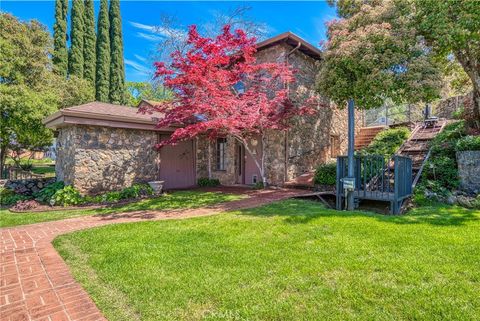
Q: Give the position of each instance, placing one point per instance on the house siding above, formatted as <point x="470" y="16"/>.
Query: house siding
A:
<point x="96" y="159"/>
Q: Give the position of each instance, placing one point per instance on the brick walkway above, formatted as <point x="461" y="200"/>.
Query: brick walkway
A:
<point x="36" y="284"/>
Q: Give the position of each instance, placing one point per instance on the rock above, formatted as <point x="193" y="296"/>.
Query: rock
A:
<point x="464" y="201"/>
<point x="451" y="199"/>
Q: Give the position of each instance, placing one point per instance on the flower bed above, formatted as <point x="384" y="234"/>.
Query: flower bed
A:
<point x="57" y="196"/>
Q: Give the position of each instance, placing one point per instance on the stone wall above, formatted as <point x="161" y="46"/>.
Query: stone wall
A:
<point x="447" y="107"/>
<point x="469" y="170"/>
<point x="28" y="186"/>
<point x="96" y="159"/>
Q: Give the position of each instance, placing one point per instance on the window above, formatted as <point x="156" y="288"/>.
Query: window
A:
<point x="334" y="146"/>
<point x="221" y="151"/>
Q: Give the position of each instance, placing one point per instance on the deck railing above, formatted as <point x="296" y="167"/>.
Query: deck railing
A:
<point x="377" y="178"/>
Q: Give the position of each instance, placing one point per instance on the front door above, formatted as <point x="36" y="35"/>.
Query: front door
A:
<point x="177" y="165"/>
<point x="239" y="163"/>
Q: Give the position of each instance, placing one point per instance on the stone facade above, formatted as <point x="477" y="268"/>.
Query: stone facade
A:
<point x="206" y="150"/>
<point x="469" y="170"/>
<point x="305" y="145"/>
<point x="96" y="159"/>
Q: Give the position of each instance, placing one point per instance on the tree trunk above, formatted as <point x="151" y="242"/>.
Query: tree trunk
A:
<point x="259" y="166"/>
<point x="476" y="107"/>
<point x="3" y="155"/>
<point x="472" y="68"/>
<point x="209" y="160"/>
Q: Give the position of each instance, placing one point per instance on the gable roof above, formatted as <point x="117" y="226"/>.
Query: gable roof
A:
<point x="293" y="40"/>
<point x="103" y="114"/>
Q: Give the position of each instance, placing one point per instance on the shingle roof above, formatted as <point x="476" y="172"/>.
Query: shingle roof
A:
<point x="99" y="108"/>
<point x="103" y="114"/>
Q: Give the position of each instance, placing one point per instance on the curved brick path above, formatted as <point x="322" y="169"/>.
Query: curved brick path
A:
<point x="36" y="284"/>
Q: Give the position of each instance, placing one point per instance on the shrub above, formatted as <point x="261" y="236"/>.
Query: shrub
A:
<point x="326" y="174"/>
<point x="46" y="193"/>
<point x="445" y="142"/>
<point x="25" y="205"/>
<point x="136" y="191"/>
<point x="468" y="143"/>
<point x="443" y="171"/>
<point x="387" y="142"/>
<point x="67" y="196"/>
<point x="208" y="182"/>
<point x="258" y="185"/>
<point x="9" y="197"/>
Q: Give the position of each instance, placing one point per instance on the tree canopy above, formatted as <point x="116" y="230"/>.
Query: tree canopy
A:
<point x="453" y="27"/>
<point x="373" y="53"/>
<point x="60" y="53"/>
<point x="77" y="33"/>
<point x="138" y="91"/>
<point x="117" y="65"/>
<point x="29" y="89"/>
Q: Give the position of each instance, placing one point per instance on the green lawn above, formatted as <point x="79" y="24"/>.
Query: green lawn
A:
<point x="291" y="260"/>
<point x="175" y="200"/>
<point x="47" y="171"/>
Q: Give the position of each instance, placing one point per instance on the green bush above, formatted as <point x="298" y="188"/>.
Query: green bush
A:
<point x="443" y="171"/>
<point x="326" y="174"/>
<point x="67" y="196"/>
<point x="136" y="191"/>
<point x="46" y="193"/>
<point x="468" y="143"/>
<point x="208" y="182"/>
<point x="387" y="142"/>
<point x="258" y="185"/>
<point x="9" y="197"/>
<point x="444" y="143"/>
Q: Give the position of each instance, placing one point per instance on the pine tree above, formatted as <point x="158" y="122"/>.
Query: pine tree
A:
<point x="89" y="43"/>
<point x="117" y="67"/>
<point x="102" y="85"/>
<point x="75" y="61"/>
<point x="60" y="52"/>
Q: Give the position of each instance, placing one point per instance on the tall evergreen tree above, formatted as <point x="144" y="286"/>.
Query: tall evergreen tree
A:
<point x="117" y="67"/>
<point x="89" y="57"/>
<point x="60" y="52"/>
<point x="77" y="34"/>
<point x="102" y="84"/>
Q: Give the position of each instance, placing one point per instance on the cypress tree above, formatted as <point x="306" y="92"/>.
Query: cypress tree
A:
<point x="102" y="84"/>
<point x="117" y="67"/>
<point x="75" y="61"/>
<point x="60" y="52"/>
<point x="89" y="43"/>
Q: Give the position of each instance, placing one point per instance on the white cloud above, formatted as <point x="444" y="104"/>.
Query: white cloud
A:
<point x="141" y="58"/>
<point x="143" y="26"/>
<point x="149" y="37"/>
<point x="138" y="67"/>
<point x="157" y="33"/>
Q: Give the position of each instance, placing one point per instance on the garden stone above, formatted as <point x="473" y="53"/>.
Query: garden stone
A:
<point x="464" y="201"/>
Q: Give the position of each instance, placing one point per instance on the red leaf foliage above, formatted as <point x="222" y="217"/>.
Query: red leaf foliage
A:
<point x="220" y="89"/>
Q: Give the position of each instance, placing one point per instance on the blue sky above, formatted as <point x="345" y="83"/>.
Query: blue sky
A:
<point x="306" y="19"/>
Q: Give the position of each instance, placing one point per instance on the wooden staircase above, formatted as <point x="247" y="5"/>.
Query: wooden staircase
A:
<point x="366" y="135"/>
<point x="417" y="147"/>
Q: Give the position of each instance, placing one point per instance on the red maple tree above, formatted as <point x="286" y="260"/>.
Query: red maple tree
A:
<point x="220" y="90"/>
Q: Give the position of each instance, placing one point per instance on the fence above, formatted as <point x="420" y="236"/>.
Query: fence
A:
<point x="377" y="178"/>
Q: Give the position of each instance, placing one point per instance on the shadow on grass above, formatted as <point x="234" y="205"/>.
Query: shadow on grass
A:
<point x="170" y="202"/>
<point x="303" y="211"/>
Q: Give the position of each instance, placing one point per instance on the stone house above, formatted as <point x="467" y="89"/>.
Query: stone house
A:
<point x="107" y="147"/>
